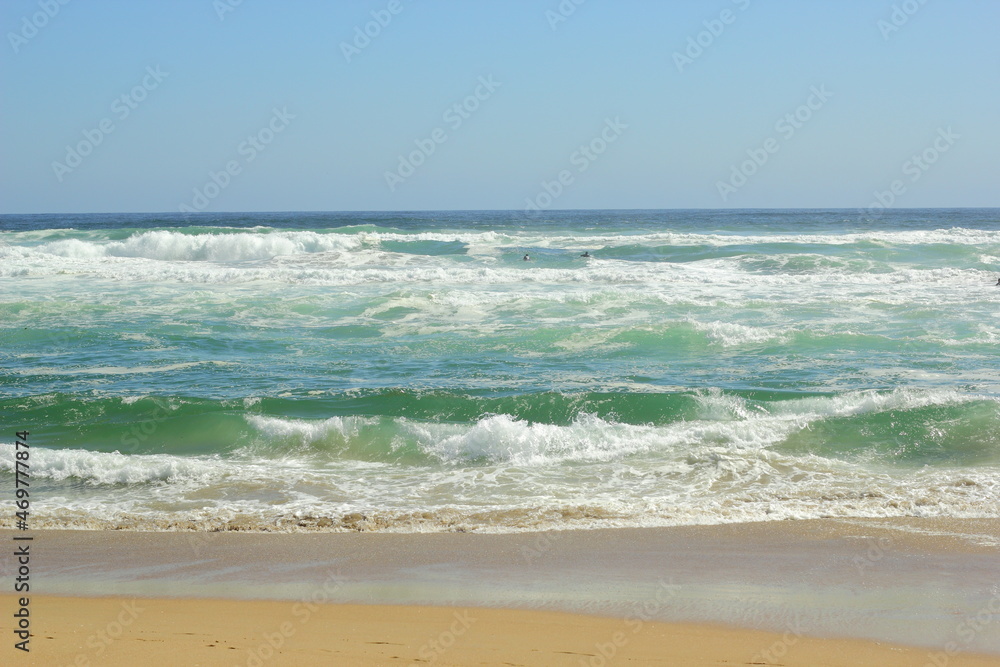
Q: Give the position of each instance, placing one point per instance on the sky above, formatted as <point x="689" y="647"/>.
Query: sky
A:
<point x="308" y="105"/>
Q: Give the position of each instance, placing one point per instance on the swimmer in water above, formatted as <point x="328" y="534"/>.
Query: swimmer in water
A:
<point x="586" y="253"/>
<point x="526" y="258"/>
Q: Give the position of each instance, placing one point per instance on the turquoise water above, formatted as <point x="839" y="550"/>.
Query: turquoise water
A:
<point x="410" y="372"/>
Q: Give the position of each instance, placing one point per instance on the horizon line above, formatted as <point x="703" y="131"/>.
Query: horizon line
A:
<point x="533" y="214"/>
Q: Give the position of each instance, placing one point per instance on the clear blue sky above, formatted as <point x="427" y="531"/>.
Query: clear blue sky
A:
<point x="892" y="94"/>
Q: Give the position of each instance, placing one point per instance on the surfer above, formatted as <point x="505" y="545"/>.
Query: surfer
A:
<point x="528" y="259"/>
<point x="586" y="253"/>
<point x="998" y="283"/>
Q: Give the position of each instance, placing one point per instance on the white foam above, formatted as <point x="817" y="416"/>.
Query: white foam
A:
<point x="867" y="402"/>
<point x="307" y="432"/>
<point x="114" y="467"/>
<point x="177" y="246"/>
<point x="118" y="370"/>
<point x="732" y="334"/>
<point x="267" y="244"/>
<point x="722" y="467"/>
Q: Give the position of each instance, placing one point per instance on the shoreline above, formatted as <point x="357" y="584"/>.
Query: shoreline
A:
<point x="913" y="582"/>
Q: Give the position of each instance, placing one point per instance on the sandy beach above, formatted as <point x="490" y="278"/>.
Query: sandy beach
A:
<point x="825" y="592"/>
<point x="87" y="631"/>
<point x="427" y="333"/>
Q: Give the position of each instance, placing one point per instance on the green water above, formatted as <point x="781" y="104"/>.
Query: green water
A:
<point x="699" y="367"/>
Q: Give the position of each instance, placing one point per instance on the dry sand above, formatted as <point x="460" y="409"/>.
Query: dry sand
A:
<point x="138" y="631"/>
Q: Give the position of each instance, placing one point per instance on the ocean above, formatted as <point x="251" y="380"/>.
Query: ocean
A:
<point x="411" y="372"/>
